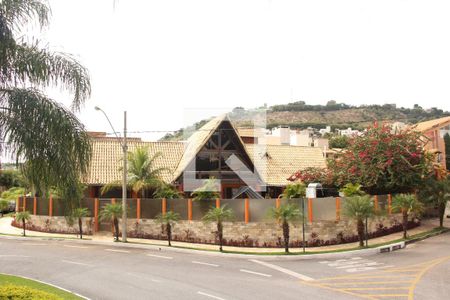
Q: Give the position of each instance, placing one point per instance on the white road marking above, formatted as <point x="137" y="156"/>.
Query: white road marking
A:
<point x="79" y="247"/>
<point x="255" y="273"/>
<point x="159" y="256"/>
<point x="13" y="255"/>
<point x="203" y="263"/>
<point x="283" y="270"/>
<point x="354" y="264"/>
<point x="143" y="276"/>
<point x="209" y="295"/>
<point x="116" y="250"/>
<point x="76" y="263"/>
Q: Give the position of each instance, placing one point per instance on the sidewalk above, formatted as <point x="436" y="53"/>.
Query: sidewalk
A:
<point x="427" y="225"/>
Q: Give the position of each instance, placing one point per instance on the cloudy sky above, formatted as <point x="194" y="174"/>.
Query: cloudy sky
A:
<point x="156" y="59"/>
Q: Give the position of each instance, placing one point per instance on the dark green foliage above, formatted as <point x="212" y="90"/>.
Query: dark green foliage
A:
<point x="340" y="141"/>
<point x="10" y="178"/>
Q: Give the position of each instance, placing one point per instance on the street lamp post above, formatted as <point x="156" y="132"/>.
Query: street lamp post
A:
<point x="124" y="146"/>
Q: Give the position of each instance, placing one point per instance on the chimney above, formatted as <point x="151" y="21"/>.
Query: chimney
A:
<point x="285" y="135"/>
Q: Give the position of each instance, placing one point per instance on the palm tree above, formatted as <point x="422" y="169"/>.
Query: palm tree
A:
<point x="142" y="174"/>
<point x="284" y="215"/>
<point x="207" y="191"/>
<point x="359" y="208"/>
<point x="294" y="191"/>
<point x="167" y="191"/>
<point x="437" y="192"/>
<point x="80" y="213"/>
<point x="43" y="132"/>
<point x="168" y="220"/>
<point x="408" y="205"/>
<point x="23" y="217"/>
<point x="112" y="213"/>
<point x="4" y="204"/>
<point x="218" y="215"/>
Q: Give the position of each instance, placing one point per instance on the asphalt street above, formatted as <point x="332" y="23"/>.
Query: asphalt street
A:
<point x="111" y="271"/>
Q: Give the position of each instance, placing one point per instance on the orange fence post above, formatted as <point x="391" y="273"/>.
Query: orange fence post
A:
<point x="338" y="209"/>
<point x="190" y="209"/>
<point x="310" y="211"/>
<point x="50" y="206"/>
<point x="138" y="208"/>
<point x="218" y="202"/>
<point x="277" y="203"/>
<point x="96" y="214"/>
<point x="375" y="202"/>
<point x="389" y="203"/>
<point x="34" y="205"/>
<point x="247" y="210"/>
<point x="18" y="204"/>
<point x="113" y="200"/>
<point x="164" y="206"/>
<point x="24" y="199"/>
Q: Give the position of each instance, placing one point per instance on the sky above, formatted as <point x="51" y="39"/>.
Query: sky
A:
<point x="162" y="60"/>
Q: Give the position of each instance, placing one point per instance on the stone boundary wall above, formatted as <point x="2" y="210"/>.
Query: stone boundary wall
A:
<point x="253" y="234"/>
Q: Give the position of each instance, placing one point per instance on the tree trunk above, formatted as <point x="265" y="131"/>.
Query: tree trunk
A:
<point x="405" y="224"/>
<point x="286" y="236"/>
<point x="441" y="214"/>
<point x="360" y="229"/>
<point x="80" y="226"/>
<point x="220" y="235"/>
<point x="116" y="228"/>
<point x="23" y="224"/>
<point x="169" y="233"/>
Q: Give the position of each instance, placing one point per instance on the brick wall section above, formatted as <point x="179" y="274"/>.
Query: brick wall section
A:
<point x="239" y="233"/>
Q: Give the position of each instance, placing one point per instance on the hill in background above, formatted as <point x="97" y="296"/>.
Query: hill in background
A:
<point x="299" y="115"/>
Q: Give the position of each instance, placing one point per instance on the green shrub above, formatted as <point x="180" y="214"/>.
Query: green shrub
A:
<point x="11" y="291"/>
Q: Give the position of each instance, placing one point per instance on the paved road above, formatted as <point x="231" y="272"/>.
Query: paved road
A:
<point x="422" y="271"/>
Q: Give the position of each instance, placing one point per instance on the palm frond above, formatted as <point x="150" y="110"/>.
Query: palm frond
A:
<point x="29" y="64"/>
<point x="17" y="13"/>
<point x="49" y="136"/>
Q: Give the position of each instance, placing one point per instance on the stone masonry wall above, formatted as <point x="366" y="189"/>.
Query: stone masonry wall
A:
<point x="257" y="234"/>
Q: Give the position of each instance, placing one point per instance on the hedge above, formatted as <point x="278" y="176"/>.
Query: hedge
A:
<point x="11" y="291"/>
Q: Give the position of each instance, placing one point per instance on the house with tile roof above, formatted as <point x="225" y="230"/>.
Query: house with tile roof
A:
<point x="206" y="154"/>
<point x="435" y="131"/>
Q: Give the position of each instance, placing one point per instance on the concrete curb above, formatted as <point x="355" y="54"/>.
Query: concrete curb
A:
<point x="263" y="256"/>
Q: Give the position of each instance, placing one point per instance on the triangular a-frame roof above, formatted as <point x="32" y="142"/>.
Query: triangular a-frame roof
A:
<point x="199" y="138"/>
<point x="431" y="124"/>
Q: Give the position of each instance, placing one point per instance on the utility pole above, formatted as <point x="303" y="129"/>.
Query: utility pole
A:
<point x="124" y="182"/>
<point x="124" y="146"/>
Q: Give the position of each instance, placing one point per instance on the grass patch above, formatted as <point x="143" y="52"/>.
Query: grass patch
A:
<point x="9" y="282"/>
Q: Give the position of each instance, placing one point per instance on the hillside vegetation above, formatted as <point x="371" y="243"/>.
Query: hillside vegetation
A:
<point x="299" y="115"/>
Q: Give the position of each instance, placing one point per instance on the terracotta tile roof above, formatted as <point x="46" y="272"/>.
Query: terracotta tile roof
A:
<point x="284" y="160"/>
<point x="107" y="158"/>
<point x="427" y="125"/>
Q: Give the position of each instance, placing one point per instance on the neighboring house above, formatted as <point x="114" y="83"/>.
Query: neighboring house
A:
<point x="435" y="130"/>
<point x="283" y="135"/>
<point x="203" y="156"/>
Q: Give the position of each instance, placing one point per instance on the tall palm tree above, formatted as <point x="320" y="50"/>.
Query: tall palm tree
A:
<point x="359" y="208"/>
<point x="23" y="217"/>
<point x="112" y="213"/>
<point x="43" y="132"/>
<point x="408" y="205"/>
<point x="218" y="215"/>
<point x="168" y="219"/>
<point x="284" y="215"/>
<point x="142" y="173"/>
<point x="80" y="213"/>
